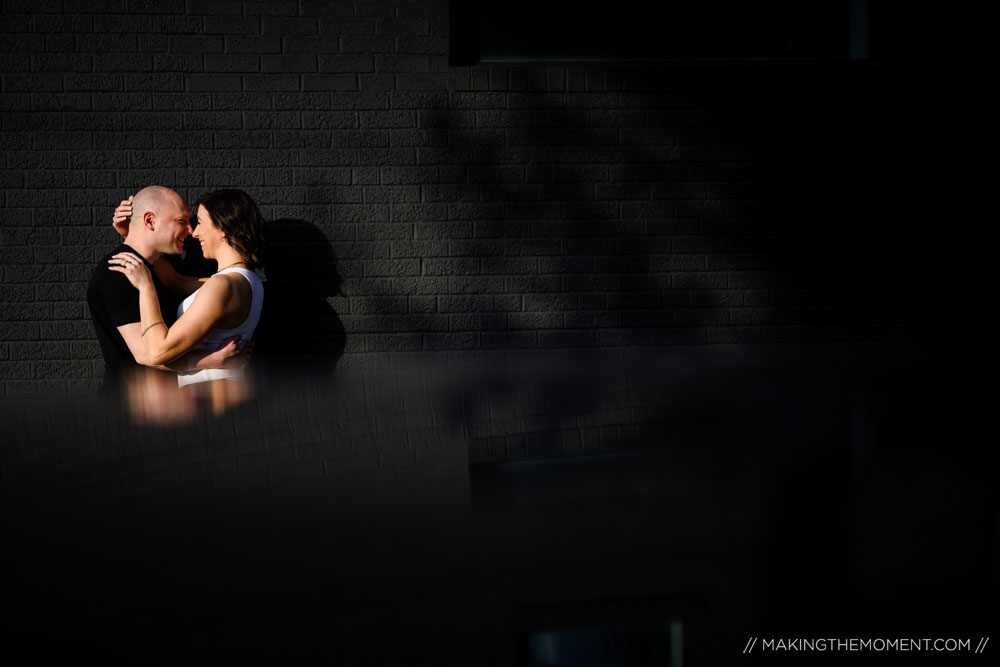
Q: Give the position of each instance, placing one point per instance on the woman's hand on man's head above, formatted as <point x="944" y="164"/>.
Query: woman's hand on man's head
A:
<point x="122" y="216"/>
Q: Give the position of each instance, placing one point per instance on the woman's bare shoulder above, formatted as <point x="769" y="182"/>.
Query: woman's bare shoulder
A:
<point x="219" y="286"/>
<point x="229" y="285"/>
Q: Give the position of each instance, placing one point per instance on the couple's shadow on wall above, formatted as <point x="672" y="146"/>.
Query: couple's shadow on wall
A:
<point x="299" y="332"/>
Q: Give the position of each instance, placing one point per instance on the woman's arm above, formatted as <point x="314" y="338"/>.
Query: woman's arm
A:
<point x="163" y="344"/>
<point x="234" y="353"/>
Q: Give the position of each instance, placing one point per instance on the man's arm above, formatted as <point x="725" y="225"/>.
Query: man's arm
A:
<point x="178" y="283"/>
<point x="233" y="354"/>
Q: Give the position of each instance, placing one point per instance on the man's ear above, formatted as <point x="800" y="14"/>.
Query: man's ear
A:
<point x="149" y="220"/>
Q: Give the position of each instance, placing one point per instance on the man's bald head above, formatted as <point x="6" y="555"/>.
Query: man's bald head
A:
<point x="159" y="221"/>
<point x="153" y="199"/>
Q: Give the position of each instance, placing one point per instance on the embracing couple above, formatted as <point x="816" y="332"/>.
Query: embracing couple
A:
<point x="194" y="331"/>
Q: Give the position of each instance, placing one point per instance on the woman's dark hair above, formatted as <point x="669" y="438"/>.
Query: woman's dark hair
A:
<point x="236" y="214"/>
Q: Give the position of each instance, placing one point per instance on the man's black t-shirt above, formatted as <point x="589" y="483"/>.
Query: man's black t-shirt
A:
<point x="113" y="302"/>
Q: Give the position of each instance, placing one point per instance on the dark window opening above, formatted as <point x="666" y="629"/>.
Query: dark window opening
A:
<point x="490" y="31"/>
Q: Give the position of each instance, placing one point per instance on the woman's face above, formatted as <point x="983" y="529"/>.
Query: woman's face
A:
<point x="210" y="236"/>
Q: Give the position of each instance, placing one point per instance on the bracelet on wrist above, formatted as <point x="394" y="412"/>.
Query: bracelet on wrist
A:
<point x="149" y="327"/>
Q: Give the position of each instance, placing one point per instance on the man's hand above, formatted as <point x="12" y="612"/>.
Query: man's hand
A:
<point x="243" y="356"/>
<point x="122" y="216"/>
<point x="235" y="353"/>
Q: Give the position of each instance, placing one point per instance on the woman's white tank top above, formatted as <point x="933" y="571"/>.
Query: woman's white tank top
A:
<point x="213" y="339"/>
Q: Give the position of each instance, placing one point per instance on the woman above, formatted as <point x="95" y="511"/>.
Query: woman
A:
<point x="229" y="229"/>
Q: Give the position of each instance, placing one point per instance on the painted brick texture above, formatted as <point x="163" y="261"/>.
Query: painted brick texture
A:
<point x="442" y="212"/>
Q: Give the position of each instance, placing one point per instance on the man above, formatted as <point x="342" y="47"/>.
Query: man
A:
<point x="160" y="223"/>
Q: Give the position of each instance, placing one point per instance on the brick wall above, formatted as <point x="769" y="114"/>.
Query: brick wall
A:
<point x="472" y="210"/>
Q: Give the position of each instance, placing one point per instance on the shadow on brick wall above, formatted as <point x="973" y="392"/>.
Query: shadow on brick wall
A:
<point x="299" y="330"/>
